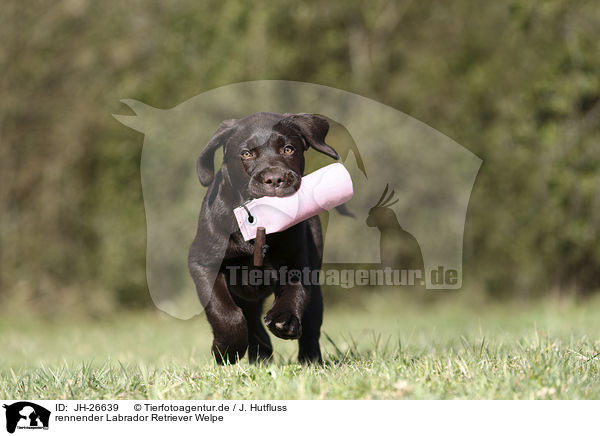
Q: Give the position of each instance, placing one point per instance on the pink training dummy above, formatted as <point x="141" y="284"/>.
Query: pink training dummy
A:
<point x="319" y="191"/>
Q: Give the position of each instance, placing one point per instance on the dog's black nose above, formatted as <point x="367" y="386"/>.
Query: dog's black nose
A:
<point x="273" y="177"/>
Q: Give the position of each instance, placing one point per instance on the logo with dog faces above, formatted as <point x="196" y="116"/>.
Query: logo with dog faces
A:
<point x="412" y="185"/>
<point x="25" y="415"/>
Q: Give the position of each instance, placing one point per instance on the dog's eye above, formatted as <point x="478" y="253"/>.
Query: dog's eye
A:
<point x="288" y="149"/>
<point x="247" y="154"/>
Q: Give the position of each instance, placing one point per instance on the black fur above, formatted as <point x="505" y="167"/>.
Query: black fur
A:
<point x="268" y="168"/>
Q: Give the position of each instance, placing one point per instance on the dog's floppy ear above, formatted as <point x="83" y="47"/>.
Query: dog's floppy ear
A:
<point x="314" y="129"/>
<point x="205" y="165"/>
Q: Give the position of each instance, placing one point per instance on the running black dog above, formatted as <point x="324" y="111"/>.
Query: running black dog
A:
<point x="263" y="156"/>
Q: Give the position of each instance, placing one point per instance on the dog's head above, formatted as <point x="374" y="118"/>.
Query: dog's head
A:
<point x="264" y="152"/>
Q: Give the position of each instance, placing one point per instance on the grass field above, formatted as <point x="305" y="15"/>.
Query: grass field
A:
<point x="380" y="349"/>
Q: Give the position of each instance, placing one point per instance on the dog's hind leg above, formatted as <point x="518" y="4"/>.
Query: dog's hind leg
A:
<point x="259" y="343"/>
<point x="309" y="350"/>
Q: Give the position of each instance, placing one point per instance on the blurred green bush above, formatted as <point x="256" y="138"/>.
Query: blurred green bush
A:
<point x="515" y="82"/>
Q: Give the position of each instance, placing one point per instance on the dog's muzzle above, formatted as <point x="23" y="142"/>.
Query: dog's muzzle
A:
<point x="274" y="182"/>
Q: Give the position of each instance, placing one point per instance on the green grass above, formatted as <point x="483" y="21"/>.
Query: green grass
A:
<point x="380" y="349"/>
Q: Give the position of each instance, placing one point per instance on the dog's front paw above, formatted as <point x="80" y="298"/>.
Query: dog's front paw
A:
<point x="284" y="325"/>
<point x="228" y="353"/>
<point x="231" y="339"/>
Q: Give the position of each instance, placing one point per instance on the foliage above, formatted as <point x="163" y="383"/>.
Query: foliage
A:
<point x="515" y="82"/>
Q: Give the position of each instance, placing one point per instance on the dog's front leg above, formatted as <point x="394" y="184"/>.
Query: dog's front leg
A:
<point x="230" y="329"/>
<point x="284" y="317"/>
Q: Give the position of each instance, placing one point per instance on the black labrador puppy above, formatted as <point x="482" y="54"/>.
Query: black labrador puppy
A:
<point x="263" y="156"/>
